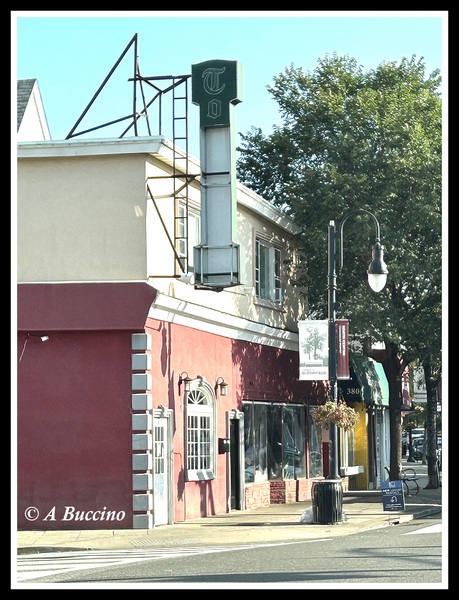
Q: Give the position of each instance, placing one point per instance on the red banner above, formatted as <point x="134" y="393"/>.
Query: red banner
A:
<point x="342" y="336"/>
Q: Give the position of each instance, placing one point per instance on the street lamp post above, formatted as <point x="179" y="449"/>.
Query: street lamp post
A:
<point x="330" y="494"/>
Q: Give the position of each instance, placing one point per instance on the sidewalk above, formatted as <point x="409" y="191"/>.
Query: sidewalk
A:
<point x="363" y="510"/>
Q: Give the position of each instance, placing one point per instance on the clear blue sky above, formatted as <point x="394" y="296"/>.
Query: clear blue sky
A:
<point x="70" y="53"/>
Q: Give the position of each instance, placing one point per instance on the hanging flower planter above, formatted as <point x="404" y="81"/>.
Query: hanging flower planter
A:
<point x="339" y="413"/>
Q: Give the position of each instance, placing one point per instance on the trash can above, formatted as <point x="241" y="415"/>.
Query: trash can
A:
<point x="327" y="501"/>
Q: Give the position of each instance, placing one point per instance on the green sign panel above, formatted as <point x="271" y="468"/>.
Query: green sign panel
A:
<point x="215" y="87"/>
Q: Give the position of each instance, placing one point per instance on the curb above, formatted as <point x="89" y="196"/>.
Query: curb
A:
<point x="366" y="525"/>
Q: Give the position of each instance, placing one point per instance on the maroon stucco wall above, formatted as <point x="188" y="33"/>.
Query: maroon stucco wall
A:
<point x="74" y="427"/>
<point x="74" y="446"/>
<point x="176" y="349"/>
<point x="252" y="371"/>
<point x="74" y="430"/>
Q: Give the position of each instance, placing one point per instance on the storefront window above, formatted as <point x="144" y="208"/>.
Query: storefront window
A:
<point x="249" y="446"/>
<point x="275" y="437"/>
<point x="274" y="441"/>
<point x="346" y="439"/>
<point x="256" y="443"/>
<point x="293" y="444"/>
<point x="315" y="449"/>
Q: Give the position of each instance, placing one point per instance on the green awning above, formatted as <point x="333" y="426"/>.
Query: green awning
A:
<point x="368" y="382"/>
<point x="383" y="384"/>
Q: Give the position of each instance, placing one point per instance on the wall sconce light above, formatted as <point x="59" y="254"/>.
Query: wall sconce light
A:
<point x="43" y="338"/>
<point x="186" y="380"/>
<point x="223" y="386"/>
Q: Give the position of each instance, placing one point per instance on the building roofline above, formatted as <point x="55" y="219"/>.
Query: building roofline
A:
<point x="156" y="145"/>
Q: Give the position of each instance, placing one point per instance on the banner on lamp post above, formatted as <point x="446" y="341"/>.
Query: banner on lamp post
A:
<point x="342" y="337"/>
<point x="313" y="350"/>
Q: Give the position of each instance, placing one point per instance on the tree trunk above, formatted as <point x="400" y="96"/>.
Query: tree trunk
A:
<point x="430" y="443"/>
<point x="393" y="370"/>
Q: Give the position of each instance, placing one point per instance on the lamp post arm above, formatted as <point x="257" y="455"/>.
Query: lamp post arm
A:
<point x="357" y="211"/>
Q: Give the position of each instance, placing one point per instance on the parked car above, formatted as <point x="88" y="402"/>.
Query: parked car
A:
<point x="418" y="432"/>
<point x="418" y="448"/>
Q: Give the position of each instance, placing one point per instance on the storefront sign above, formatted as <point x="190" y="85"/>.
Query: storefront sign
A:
<point x="216" y="87"/>
<point x="392" y="495"/>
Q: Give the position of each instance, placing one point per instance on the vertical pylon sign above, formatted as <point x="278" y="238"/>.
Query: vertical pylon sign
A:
<point x="216" y="89"/>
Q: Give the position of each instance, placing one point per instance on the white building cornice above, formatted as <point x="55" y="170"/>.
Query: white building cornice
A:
<point x="183" y="312"/>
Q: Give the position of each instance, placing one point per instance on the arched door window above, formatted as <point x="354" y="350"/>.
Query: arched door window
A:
<point x="200" y="431"/>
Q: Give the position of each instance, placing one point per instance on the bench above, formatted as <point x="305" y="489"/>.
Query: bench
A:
<point x="408" y="476"/>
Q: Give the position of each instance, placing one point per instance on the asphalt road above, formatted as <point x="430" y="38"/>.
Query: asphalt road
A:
<point x="409" y="554"/>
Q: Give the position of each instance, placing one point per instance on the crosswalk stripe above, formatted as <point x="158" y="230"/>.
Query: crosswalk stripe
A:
<point x="45" y="564"/>
<point x="57" y="563"/>
<point x="431" y="529"/>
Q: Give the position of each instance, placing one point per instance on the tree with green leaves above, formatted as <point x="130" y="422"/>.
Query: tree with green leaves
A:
<point x="351" y="139"/>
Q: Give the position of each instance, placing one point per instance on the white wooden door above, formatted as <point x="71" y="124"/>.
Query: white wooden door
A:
<point x="160" y="472"/>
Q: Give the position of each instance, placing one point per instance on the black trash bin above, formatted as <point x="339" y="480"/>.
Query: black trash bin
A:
<point x="327" y="501"/>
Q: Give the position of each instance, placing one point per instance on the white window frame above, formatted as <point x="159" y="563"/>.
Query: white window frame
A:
<point x="347" y="447"/>
<point x="200" y="432"/>
<point x="268" y="271"/>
